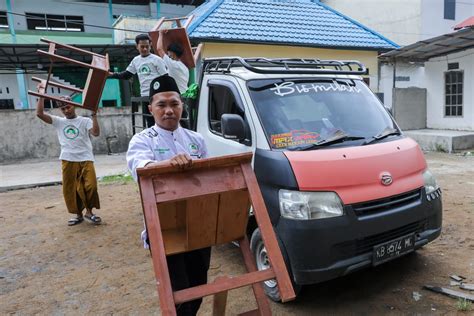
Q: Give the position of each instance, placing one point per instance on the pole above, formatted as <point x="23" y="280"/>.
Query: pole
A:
<point x="158" y="10"/>
<point x="20" y="74"/>
<point x="111" y="18"/>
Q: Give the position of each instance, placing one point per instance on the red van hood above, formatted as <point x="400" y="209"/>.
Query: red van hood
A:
<point x="355" y="173"/>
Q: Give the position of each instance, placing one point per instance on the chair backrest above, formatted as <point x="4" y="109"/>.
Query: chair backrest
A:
<point x="174" y="35"/>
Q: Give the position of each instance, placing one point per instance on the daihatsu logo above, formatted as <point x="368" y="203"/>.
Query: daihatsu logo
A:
<point x="386" y="178"/>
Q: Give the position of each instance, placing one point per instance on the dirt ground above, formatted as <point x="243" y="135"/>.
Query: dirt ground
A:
<point x="49" y="268"/>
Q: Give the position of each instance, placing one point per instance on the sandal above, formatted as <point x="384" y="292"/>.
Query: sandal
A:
<point x="75" y="221"/>
<point x="94" y="219"/>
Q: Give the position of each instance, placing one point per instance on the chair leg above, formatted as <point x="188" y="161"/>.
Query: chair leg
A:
<point x="260" y="297"/>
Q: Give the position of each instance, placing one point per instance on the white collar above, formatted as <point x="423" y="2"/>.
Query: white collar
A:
<point x="166" y="133"/>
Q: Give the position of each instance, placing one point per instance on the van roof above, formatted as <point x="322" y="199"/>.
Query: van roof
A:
<point x="245" y="74"/>
<point x="260" y="67"/>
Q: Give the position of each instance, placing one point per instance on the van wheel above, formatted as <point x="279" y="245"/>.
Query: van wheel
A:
<point x="263" y="263"/>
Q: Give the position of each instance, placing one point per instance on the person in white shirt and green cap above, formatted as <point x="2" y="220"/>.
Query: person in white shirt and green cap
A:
<point x="168" y="143"/>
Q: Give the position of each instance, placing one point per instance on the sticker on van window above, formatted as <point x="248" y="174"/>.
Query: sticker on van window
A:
<point x="293" y="138"/>
<point x="289" y="87"/>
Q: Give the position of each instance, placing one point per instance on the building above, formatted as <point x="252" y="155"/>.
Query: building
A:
<point x="430" y="87"/>
<point x="406" y="21"/>
<point x="285" y="28"/>
<point x="88" y="23"/>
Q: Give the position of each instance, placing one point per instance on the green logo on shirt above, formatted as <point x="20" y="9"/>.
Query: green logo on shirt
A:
<point x="193" y="149"/>
<point x="144" y="69"/>
<point x="71" y="132"/>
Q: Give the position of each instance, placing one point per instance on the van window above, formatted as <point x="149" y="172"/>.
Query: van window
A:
<point x="296" y="112"/>
<point x="221" y="101"/>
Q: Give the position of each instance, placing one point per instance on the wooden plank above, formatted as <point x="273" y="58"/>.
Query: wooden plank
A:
<point x="199" y="182"/>
<point x="224" y="284"/>
<point x="233" y="208"/>
<point x="259" y="293"/>
<point x="160" y="265"/>
<point x="172" y="215"/>
<point x="188" y="21"/>
<point x="70" y="47"/>
<point x="197" y="53"/>
<point x="52" y="48"/>
<point x="207" y="163"/>
<point x="59" y="85"/>
<point x="449" y="292"/>
<point x="66" y="59"/>
<point x="268" y="235"/>
<point x="47" y="96"/>
<point x="174" y="240"/>
<point x="201" y="221"/>
<point x="93" y="88"/>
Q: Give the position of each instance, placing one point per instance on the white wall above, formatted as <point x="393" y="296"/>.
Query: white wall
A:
<point x="435" y="69"/>
<point x="10" y="81"/>
<point x="398" y="20"/>
<point x="93" y="13"/>
<point x="415" y="72"/>
<point x="433" y="23"/>
<point x="404" y="21"/>
<point x="431" y="77"/>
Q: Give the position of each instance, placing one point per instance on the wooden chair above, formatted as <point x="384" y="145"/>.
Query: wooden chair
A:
<point x="98" y="72"/>
<point x="204" y="206"/>
<point x="175" y="35"/>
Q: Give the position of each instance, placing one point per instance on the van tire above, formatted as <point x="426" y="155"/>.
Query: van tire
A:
<point x="261" y="260"/>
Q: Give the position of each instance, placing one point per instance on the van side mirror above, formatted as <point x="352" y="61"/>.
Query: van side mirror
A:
<point x="233" y="127"/>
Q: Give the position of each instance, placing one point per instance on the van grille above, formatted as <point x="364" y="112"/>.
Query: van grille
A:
<point x="385" y="204"/>
<point x="360" y="246"/>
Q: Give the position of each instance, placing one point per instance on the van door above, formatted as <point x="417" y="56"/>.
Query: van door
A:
<point x="218" y="97"/>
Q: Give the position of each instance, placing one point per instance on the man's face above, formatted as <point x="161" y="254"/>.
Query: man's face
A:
<point x="68" y="110"/>
<point x="166" y="108"/>
<point x="143" y="47"/>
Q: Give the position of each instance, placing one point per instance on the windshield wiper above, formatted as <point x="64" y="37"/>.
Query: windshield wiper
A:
<point x="385" y="133"/>
<point x="338" y="137"/>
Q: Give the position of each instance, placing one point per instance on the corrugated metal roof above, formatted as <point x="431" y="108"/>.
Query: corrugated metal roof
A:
<point x="433" y="47"/>
<point x="294" y="22"/>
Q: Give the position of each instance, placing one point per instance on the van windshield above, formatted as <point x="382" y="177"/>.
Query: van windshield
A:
<point x="298" y="114"/>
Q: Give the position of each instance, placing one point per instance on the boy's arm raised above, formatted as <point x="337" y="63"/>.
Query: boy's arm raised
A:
<point x="40" y="107"/>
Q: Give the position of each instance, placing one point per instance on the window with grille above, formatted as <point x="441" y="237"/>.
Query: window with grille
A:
<point x="54" y="22"/>
<point x="3" y="20"/>
<point x="454" y="82"/>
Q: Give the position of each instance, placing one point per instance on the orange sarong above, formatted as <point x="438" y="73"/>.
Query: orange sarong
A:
<point x="79" y="186"/>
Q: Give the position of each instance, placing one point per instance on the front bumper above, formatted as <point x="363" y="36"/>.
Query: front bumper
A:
<point x="324" y="249"/>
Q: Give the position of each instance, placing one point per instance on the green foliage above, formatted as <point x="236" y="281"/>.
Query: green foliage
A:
<point x="440" y="148"/>
<point x="120" y="178"/>
<point x="463" y="305"/>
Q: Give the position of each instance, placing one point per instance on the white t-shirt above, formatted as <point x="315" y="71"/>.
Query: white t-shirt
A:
<point x="74" y="138"/>
<point x="179" y="72"/>
<point x="147" y="68"/>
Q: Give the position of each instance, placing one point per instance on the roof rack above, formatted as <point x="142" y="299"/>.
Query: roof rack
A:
<point x="285" y="65"/>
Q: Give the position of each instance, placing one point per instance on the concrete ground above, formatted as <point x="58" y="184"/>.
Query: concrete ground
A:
<point x="33" y="173"/>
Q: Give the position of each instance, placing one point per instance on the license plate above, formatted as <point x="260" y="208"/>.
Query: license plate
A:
<point x="392" y="249"/>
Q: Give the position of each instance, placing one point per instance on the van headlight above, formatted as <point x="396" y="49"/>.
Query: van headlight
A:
<point x="431" y="186"/>
<point x="309" y="205"/>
